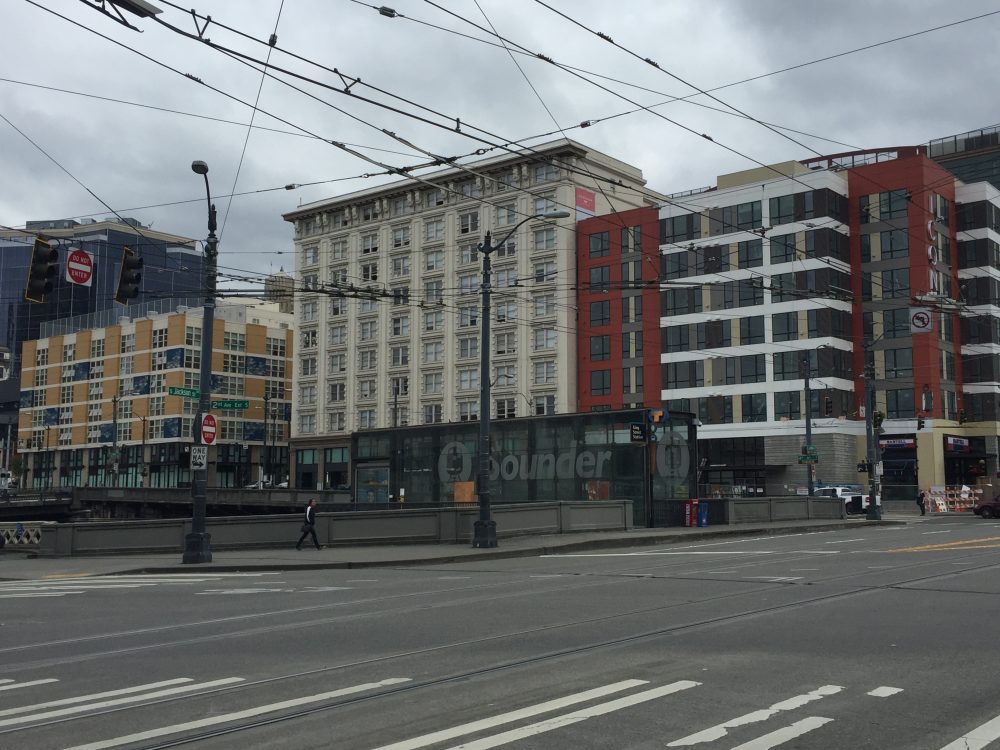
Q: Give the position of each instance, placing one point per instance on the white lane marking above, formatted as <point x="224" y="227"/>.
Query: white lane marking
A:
<point x="978" y="738"/>
<point x="240" y="591"/>
<point x="94" y="696"/>
<point x="19" y="685"/>
<point x="925" y="533"/>
<point x="5" y="680"/>
<point x="804" y="570"/>
<point x="453" y="578"/>
<point x="506" y="718"/>
<point x="363" y="580"/>
<point x="880" y="567"/>
<point x="320" y="589"/>
<point x="77" y="587"/>
<point x="547" y="575"/>
<point x="884" y="692"/>
<point x="236" y="715"/>
<point x="775" y="578"/>
<point x="657" y="554"/>
<point x="119" y="701"/>
<point x="721" y="730"/>
<point x="39" y="595"/>
<point x="557" y="722"/>
<point x="708" y="571"/>
<point x="845" y="541"/>
<point x="782" y="736"/>
<point x="816" y="551"/>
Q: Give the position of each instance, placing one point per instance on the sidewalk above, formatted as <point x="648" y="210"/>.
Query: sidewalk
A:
<point x="16" y="565"/>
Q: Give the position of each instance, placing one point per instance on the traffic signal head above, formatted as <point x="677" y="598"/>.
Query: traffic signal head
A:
<point x="828" y="406"/>
<point x="961" y="416"/>
<point x="920" y="423"/>
<point x="877" y="419"/>
<point x="41" y="272"/>
<point x="863" y="467"/>
<point x="128" y="277"/>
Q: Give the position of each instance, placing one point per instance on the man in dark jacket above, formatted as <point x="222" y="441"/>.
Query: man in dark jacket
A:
<point x="922" y="502"/>
<point x="309" y="525"/>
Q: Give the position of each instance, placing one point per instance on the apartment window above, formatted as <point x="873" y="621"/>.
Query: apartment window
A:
<point x="742" y="216"/>
<point x="507" y="249"/>
<point x="505" y="278"/>
<point x="782" y="248"/>
<point x="545" y="304"/>
<point x="787" y="404"/>
<point x="632" y="380"/>
<point x="468" y="222"/>
<point x="545" y="271"/>
<point x="632" y="271"/>
<point x="157" y="383"/>
<point x="467" y="254"/>
<point x="307" y="395"/>
<point x="600" y="382"/>
<point x="434" y="230"/>
<point x="544" y="404"/>
<point x="787" y="365"/>
<point x="632" y="344"/>
<point x="543" y="373"/>
<point x="506" y="343"/>
<point x="309" y="339"/>
<point x="399" y="206"/>
<point x="97" y="346"/>
<point x="899" y="363"/>
<point x="338" y="391"/>
<point x="506" y="312"/>
<point x="751" y="253"/>
<point x="338" y="307"/>
<point x="544" y="239"/>
<point x="468" y="315"/>
<point x="600" y="244"/>
<point x="506" y="215"/>
<point x="367" y="419"/>
<point x="469" y="189"/>
<point x="368" y="305"/>
<point x="401" y="325"/>
<point x="433" y="351"/>
<point x="234" y="342"/>
<point x="895" y="323"/>
<point x="899" y="403"/>
<point x="506" y="408"/>
<point x="367" y="389"/>
<point x="785" y="326"/>
<point x="468" y="379"/>
<point x="66" y="394"/>
<point x="544" y="338"/>
<point x="506" y="375"/>
<point x="895" y="243"/>
<point x="433" y="321"/>
<point x="337" y="335"/>
<point x="754" y="407"/>
<point x="399" y="386"/>
<point x="434" y="260"/>
<point x="367" y="359"/>
<point x="369" y="271"/>
<point x="68" y="374"/>
<point x="336" y="421"/>
<point x="468" y="346"/>
<point x="338" y="276"/>
<point x="545" y="173"/>
<point x="310" y="255"/>
<point x="632" y="309"/>
<point x="338" y="363"/>
<point x="468" y="411"/>
<point x="310" y="311"/>
<point x="401" y="237"/>
<point x="433" y="291"/>
<point x="600" y="279"/>
<point x="234" y="363"/>
<point x="401" y="266"/>
<point x="752" y="330"/>
<point x="600" y="313"/>
<point x="753" y="369"/>
<point x="127" y="344"/>
<point x="468" y="283"/>
<point x="433" y="382"/>
<point x="433" y="414"/>
<point x="434" y="197"/>
<point x="896" y="283"/>
<point x="307" y="366"/>
<point x="338" y="249"/>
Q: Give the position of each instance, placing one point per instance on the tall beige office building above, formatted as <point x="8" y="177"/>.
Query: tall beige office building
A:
<point x="388" y="316"/>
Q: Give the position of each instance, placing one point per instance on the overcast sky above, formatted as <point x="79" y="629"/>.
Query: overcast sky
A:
<point x="903" y="93"/>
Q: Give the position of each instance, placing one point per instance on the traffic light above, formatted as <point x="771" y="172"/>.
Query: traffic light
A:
<point x="920" y="423"/>
<point x="828" y="406"/>
<point x="877" y="419"/>
<point x="41" y="272"/>
<point x="863" y="467"/>
<point x="961" y="416"/>
<point x="128" y="277"/>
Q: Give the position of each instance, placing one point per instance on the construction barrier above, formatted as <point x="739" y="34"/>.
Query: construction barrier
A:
<point x="952" y="499"/>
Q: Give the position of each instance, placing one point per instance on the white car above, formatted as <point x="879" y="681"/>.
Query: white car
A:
<point x="849" y="495"/>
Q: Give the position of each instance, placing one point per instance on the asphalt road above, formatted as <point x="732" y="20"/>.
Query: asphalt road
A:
<point x="875" y="637"/>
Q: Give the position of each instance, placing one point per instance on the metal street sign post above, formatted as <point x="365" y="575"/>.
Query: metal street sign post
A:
<point x="185" y="392"/>
<point x="231" y="404"/>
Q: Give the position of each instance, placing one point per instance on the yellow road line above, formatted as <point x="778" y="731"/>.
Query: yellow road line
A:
<point x="967" y="544"/>
<point x="67" y="575"/>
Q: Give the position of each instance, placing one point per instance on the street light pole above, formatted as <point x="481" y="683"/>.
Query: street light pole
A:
<point x="197" y="544"/>
<point x="810" y="467"/>
<point x="871" y="433"/>
<point x="267" y="456"/>
<point x="114" y="440"/>
<point x="485" y="529"/>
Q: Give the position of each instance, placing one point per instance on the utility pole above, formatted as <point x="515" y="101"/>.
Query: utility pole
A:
<point x="395" y="405"/>
<point x="197" y="544"/>
<point x="807" y="448"/>
<point x="114" y="440"/>
<point x="871" y="433"/>
<point x="266" y="457"/>
<point x="485" y="529"/>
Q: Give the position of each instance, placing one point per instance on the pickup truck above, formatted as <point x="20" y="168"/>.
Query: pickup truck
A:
<point x="988" y="508"/>
<point x="855" y="501"/>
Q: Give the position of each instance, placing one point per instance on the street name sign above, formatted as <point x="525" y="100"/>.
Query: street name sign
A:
<point x="231" y="404"/>
<point x="185" y="392"/>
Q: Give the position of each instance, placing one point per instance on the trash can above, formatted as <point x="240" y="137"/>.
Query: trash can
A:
<point x="702" y="513"/>
<point x="691" y="513"/>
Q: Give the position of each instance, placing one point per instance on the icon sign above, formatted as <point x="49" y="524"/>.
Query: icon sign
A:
<point x="920" y="320"/>
<point x="79" y="267"/>
<point x="199" y="457"/>
<point x="208" y="428"/>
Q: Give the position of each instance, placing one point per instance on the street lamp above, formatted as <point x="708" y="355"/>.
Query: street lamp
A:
<point x="485" y="529"/>
<point x="197" y="547"/>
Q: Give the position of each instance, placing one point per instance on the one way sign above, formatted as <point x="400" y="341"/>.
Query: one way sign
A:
<point x="199" y="457"/>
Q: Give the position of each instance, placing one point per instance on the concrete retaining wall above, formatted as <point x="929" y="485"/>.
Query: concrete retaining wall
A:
<point x="431" y="525"/>
<point x="792" y="508"/>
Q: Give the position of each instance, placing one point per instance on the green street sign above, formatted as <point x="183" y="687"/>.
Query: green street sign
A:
<point x="185" y="392"/>
<point x="808" y="458"/>
<point x="231" y="404"/>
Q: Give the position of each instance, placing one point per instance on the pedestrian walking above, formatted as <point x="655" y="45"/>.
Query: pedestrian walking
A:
<point x="309" y="525"/>
<point x="922" y="502"/>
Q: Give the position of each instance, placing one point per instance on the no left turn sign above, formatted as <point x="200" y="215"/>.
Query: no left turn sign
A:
<point x="920" y="320"/>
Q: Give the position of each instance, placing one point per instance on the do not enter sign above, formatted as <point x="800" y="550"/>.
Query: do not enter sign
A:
<point x="208" y="429"/>
<point x="79" y="267"/>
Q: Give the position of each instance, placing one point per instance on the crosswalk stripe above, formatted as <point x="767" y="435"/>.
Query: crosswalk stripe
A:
<point x="978" y="738"/>
<point x="19" y="685"/>
<point x="118" y="701"/>
<point x="783" y="735"/>
<point x="721" y="730"/>
<point x="236" y="715"/>
<point x="506" y="718"/>
<point x="94" y="696"/>
<point x="884" y="691"/>
<point x="557" y="722"/>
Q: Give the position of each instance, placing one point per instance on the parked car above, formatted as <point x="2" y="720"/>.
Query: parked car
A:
<point x="988" y="508"/>
<point x="855" y="500"/>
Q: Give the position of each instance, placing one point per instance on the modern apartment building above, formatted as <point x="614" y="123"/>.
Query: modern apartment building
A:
<point x="108" y="401"/>
<point x="775" y="275"/>
<point x="388" y="296"/>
